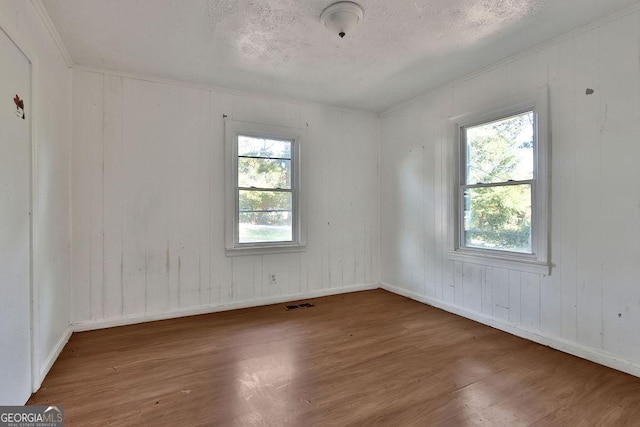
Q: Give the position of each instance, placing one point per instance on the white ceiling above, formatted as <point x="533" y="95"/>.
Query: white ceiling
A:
<point x="401" y="49"/>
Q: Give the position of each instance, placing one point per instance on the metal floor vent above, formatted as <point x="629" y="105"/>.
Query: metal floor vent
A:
<point x="297" y="306"/>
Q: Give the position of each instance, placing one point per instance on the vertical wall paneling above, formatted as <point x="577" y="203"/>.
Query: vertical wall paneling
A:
<point x="564" y="146"/>
<point x="293" y="117"/>
<point x="135" y="107"/>
<point x="620" y="114"/>
<point x="203" y="211"/>
<point x="350" y="198"/>
<point x="413" y="195"/>
<point x="221" y="277"/>
<point x="112" y="198"/>
<point x="428" y="209"/>
<point x="500" y="293"/>
<point x="149" y="186"/>
<point x="458" y="283"/>
<point x="515" y="294"/>
<point x="522" y="76"/>
<point x="591" y="301"/>
<point x="589" y="121"/>
<point x="530" y="300"/>
<point x="335" y="199"/>
<point x="388" y="218"/>
<point x="439" y="221"/>
<point x="95" y="166"/>
<point x="446" y="136"/>
<point x="87" y="133"/>
<point x="487" y="295"/>
<point x="243" y="278"/>
<point x="472" y="286"/>
<point x="314" y="178"/>
<point x="329" y="193"/>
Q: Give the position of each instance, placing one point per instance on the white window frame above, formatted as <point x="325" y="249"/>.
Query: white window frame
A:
<point x="233" y="129"/>
<point x="537" y="261"/>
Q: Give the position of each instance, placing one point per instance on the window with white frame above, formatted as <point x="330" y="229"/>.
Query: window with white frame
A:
<point x="501" y="189"/>
<point x="263" y="188"/>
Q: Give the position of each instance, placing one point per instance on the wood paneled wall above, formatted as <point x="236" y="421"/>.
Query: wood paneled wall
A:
<point x="148" y="200"/>
<point x="592" y="298"/>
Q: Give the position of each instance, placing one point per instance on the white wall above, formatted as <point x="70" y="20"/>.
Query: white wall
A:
<point x="590" y="305"/>
<point x="148" y="205"/>
<point x="52" y="98"/>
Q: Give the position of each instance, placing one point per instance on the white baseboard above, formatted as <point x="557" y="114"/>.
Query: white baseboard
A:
<point x="150" y="317"/>
<point x="595" y="355"/>
<point x="53" y="356"/>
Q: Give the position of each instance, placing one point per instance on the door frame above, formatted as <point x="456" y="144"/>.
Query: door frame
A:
<point x="29" y="52"/>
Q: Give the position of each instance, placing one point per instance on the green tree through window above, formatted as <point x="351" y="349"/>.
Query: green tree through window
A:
<point x="497" y="189"/>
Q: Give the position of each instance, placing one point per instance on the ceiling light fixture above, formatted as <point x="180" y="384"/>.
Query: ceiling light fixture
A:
<point x="342" y="17"/>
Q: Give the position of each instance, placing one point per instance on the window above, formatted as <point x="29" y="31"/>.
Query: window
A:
<point x="263" y="189"/>
<point x="501" y="189"/>
<point x="496" y="183"/>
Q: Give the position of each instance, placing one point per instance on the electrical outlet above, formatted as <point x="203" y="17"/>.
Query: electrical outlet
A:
<point x="273" y="279"/>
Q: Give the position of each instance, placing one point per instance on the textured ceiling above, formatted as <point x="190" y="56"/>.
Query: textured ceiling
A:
<point x="401" y="49"/>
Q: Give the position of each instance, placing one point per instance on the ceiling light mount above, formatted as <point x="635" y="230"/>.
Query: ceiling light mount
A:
<point x="342" y="17"/>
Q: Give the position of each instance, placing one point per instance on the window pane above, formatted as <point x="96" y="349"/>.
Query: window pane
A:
<point x="264" y="201"/>
<point x="265" y="216"/>
<point x="500" y="151"/>
<point x="259" y="147"/>
<point x="264" y="173"/>
<point x="257" y="227"/>
<point x="498" y="218"/>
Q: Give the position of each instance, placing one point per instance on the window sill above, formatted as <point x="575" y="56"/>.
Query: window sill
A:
<point x="265" y="250"/>
<point x="528" y="265"/>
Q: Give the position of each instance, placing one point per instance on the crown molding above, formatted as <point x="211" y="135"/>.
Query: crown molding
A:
<point x="217" y="89"/>
<point x="53" y="31"/>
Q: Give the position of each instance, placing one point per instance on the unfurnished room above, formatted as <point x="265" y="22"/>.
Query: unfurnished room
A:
<point x="319" y="212"/>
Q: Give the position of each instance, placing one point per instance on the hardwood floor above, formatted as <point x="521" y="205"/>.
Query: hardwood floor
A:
<point x="355" y="359"/>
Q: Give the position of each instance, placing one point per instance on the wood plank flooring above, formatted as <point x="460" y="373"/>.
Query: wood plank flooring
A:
<point x="356" y="359"/>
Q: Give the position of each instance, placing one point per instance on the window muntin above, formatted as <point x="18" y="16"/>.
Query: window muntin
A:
<point x="265" y="192"/>
<point x="497" y="190"/>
